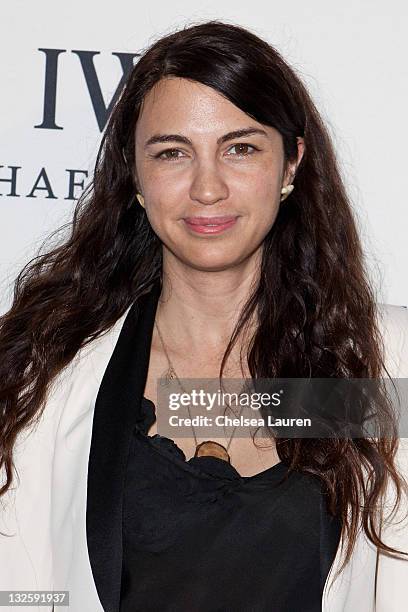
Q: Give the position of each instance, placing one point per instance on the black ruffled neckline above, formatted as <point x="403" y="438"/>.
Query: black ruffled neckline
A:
<point x="212" y="466"/>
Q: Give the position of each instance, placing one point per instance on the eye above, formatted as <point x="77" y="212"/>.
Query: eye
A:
<point x="168" y="155"/>
<point x="243" y="149"/>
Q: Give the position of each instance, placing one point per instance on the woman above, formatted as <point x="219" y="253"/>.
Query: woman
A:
<point x="216" y="239"/>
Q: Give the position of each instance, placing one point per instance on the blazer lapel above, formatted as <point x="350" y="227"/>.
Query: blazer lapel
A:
<point x="121" y="390"/>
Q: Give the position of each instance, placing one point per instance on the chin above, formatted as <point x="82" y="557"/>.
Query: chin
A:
<point x="208" y="264"/>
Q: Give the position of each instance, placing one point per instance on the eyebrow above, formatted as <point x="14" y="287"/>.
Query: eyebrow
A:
<point x="162" y="138"/>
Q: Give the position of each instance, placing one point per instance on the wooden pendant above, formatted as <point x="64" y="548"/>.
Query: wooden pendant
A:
<point x="212" y="449"/>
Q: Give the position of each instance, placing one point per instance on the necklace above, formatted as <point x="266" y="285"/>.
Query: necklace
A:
<point x="209" y="447"/>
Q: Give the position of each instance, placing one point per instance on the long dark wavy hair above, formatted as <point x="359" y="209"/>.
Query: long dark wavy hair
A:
<point x="316" y="308"/>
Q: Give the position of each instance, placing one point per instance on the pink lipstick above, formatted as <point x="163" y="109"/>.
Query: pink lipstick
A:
<point x="210" y="225"/>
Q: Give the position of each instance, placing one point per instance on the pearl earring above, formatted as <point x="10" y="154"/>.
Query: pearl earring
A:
<point x="286" y="191"/>
<point x="140" y="199"/>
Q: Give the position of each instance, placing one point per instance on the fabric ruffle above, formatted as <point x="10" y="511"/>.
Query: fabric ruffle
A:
<point x="209" y="465"/>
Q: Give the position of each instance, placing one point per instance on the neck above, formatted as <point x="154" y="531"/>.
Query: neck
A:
<point x="199" y="309"/>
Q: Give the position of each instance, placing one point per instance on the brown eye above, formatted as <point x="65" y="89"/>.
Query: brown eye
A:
<point x="242" y="149"/>
<point x="169" y="154"/>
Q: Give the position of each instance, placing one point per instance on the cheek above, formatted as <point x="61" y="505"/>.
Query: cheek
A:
<point x="261" y="193"/>
<point x="165" y="192"/>
<point x="163" y="199"/>
<point x="262" y="220"/>
<point x="163" y="211"/>
<point x="262" y="181"/>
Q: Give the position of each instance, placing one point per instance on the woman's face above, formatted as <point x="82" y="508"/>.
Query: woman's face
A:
<point x="193" y="165"/>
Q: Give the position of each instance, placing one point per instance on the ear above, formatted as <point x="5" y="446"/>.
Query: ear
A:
<point x="136" y="182"/>
<point x="292" y="166"/>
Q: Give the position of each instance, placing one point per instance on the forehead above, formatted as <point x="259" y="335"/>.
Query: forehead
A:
<point x="179" y="105"/>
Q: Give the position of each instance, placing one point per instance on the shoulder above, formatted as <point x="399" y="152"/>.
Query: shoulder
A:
<point x="73" y="391"/>
<point x="93" y="357"/>
<point x="393" y="324"/>
<point x="370" y="570"/>
<point x="392" y="570"/>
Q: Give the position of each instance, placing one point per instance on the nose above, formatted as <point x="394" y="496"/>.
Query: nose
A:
<point x="208" y="186"/>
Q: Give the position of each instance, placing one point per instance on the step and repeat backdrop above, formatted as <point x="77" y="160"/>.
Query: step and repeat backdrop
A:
<point x="63" y="65"/>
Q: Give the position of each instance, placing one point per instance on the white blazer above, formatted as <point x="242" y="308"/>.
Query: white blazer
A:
<point x="67" y="537"/>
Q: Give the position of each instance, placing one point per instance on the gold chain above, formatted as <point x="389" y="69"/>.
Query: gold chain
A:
<point x="171" y="374"/>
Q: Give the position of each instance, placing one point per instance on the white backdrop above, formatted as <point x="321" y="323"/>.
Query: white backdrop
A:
<point x="352" y="56"/>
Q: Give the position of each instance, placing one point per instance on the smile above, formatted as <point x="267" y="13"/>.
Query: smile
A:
<point x="216" y="225"/>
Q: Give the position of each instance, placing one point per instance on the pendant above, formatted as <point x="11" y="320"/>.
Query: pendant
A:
<point x="210" y="448"/>
<point x="168" y="376"/>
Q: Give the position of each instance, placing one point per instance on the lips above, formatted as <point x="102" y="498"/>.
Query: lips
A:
<point x="210" y="225"/>
<point x="209" y="220"/>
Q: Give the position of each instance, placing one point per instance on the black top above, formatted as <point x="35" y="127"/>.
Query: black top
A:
<point x="199" y="537"/>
